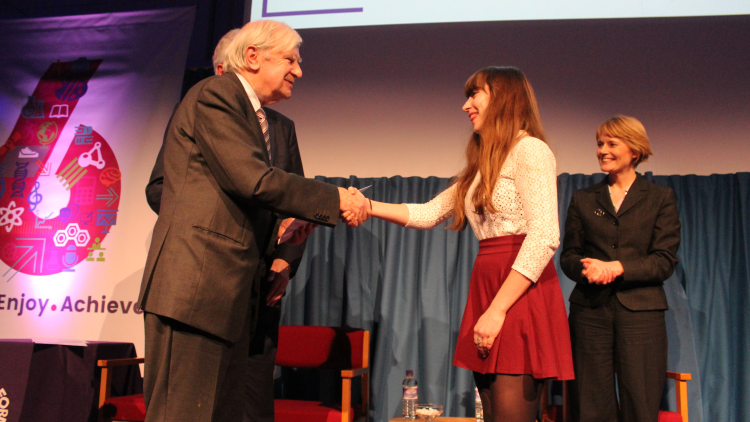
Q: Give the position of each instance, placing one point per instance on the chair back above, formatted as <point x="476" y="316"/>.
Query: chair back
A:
<point x="322" y="347"/>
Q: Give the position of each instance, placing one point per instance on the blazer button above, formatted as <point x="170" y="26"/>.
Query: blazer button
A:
<point x="614" y="223"/>
<point x="614" y="246"/>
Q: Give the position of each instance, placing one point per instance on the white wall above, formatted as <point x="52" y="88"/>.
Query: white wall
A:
<point x="384" y="101"/>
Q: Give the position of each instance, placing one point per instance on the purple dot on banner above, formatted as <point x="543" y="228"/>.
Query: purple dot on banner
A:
<point x="54" y="307"/>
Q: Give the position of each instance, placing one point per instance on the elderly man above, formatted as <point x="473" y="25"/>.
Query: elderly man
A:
<point x="201" y="284"/>
<point x="282" y="261"/>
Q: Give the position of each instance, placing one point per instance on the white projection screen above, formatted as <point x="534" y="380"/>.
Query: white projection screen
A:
<point x="301" y="14"/>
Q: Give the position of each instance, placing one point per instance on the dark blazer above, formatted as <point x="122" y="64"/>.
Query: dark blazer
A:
<point x="217" y="211"/>
<point x="284" y="155"/>
<point x="643" y="235"/>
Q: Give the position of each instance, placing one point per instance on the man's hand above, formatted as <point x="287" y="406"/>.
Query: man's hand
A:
<point x="278" y="274"/>
<point x="300" y="234"/>
<point x="354" y="207"/>
<point x="600" y="272"/>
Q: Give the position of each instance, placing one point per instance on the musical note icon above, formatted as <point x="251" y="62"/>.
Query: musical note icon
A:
<point x="34" y="197"/>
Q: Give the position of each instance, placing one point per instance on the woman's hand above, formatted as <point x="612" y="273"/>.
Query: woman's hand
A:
<point x="487" y="329"/>
<point x="490" y="324"/>
<point x="600" y="272"/>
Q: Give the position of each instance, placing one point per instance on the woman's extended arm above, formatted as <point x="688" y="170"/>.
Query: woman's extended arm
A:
<point x="393" y="213"/>
<point x="416" y="216"/>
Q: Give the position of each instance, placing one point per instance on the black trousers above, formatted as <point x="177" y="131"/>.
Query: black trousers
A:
<point x="191" y="375"/>
<point x="612" y="339"/>
<point x="259" y="389"/>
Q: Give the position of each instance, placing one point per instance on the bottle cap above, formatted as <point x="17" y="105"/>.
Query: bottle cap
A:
<point x="409" y="373"/>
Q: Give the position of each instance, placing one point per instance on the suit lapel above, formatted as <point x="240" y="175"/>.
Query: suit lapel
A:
<point x="250" y="115"/>
<point x="636" y="193"/>
<point x="603" y="198"/>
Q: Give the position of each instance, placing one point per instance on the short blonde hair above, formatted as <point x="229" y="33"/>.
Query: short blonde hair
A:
<point x="266" y="36"/>
<point x="220" y="53"/>
<point x="631" y="131"/>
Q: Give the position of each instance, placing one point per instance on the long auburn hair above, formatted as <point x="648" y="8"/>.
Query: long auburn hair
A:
<point x="512" y="108"/>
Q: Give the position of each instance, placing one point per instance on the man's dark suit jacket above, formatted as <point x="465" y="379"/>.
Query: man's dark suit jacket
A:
<point x="643" y="235"/>
<point x="284" y="155"/>
<point x="217" y="210"/>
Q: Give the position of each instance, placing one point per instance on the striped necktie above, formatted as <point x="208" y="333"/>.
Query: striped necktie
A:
<point x="264" y="126"/>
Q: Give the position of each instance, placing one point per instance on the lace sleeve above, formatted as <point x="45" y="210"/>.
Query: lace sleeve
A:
<point x="429" y="215"/>
<point x="536" y="183"/>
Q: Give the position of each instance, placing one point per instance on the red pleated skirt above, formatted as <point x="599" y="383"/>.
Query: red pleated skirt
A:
<point x="535" y="338"/>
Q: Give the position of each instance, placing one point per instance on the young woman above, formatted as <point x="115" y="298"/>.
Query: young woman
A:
<point x="514" y="332"/>
<point x="621" y="241"/>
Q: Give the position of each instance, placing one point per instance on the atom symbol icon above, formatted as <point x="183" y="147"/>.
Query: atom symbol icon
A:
<point x="11" y="216"/>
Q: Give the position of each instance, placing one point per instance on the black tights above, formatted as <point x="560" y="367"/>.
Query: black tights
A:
<point x="509" y="398"/>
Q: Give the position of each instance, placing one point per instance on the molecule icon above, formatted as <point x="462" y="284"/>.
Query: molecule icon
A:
<point x="74" y="233"/>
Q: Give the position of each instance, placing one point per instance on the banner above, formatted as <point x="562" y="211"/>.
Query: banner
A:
<point x="83" y="108"/>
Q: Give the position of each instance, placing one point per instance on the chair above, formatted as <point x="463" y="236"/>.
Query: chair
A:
<point x="680" y="381"/>
<point x="119" y="409"/>
<point x="557" y="413"/>
<point x="344" y="349"/>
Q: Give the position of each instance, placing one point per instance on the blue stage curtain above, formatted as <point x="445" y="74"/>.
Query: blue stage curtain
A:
<point x="409" y="288"/>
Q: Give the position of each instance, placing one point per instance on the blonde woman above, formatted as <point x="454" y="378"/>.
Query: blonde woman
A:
<point x="621" y="241"/>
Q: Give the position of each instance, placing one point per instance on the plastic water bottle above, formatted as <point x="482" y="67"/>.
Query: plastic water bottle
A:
<point x="478" y="412"/>
<point x="410" y="396"/>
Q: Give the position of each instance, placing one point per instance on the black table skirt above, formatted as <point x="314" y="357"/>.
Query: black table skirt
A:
<point x="57" y="383"/>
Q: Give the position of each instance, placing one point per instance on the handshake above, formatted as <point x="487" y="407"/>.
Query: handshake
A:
<point x="355" y="208"/>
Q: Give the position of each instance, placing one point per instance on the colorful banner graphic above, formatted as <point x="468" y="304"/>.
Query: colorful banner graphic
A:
<point x="53" y="222"/>
<point x="83" y="107"/>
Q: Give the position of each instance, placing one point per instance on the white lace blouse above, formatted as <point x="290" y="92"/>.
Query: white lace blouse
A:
<point x="526" y="199"/>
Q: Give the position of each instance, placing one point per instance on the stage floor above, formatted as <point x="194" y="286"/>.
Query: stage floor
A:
<point x="442" y="419"/>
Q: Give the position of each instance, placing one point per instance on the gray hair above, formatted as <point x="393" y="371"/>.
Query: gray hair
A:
<point x="220" y="53"/>
<point x="266" y="36"/>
